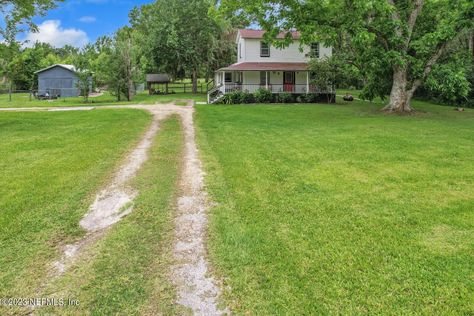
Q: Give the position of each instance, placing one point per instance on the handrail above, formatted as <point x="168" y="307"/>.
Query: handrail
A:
<point x="208" y="84"/>
<point x="211" y="93"/>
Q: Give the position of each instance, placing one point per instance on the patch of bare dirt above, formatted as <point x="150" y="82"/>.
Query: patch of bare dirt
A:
<point x="114" y="201"/>
<point x="197" y="289"/>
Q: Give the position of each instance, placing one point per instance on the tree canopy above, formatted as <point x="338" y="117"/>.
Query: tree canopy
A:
<point x="17" y="13"/>
<point x="181" y="36"/>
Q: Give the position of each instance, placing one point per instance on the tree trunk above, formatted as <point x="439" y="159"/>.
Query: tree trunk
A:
<point x="10" y="92"/>
<point x="400" y="97"/>
<point x="471" y="44"/>
<point x="130" y="89"/>
<point x="195" y="81"/>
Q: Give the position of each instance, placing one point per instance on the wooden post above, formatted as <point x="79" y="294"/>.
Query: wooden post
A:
<point x="307" y="82"/>
<point x="266" y="80"/>
<point x="10" y="92"/>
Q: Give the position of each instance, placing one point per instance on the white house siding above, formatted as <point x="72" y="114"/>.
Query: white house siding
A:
<point x="251" y="81"/>
<point x="241" y="53"/>
<point x="291" y="54"/>
<point x="300" y="81"/>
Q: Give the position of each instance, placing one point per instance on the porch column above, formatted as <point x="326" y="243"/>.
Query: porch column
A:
<point x="223" y="80"/>
<point x="307" y="82"/>
<point x="266" y="80"/>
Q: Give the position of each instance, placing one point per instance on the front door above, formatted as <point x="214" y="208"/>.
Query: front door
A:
<point x="289" y="81"/>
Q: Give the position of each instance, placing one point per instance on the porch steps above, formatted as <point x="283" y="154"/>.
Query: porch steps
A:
<point x="214" y="95"/>
<point x="216" y="99"/>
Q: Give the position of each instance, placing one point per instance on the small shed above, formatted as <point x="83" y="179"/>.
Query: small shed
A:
<point x="59" y="80"/>
<point x="156" y="81"/>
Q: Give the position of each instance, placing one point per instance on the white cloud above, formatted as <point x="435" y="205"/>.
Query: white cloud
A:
<point x="87" y="19"/>
<point x="51" y="32"/>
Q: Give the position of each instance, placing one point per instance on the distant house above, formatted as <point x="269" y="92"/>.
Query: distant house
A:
<point x="59" y="80"/>
<point x="261" y="65"/>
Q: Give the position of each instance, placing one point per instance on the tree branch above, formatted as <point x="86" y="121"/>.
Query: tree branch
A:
<point x="413" y="17"/>
<point x="428" y="67"/>
<point x="383" y="40"/>
<point x="395" y="17"/>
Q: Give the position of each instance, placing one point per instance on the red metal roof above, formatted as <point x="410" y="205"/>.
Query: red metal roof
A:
<point x="266" y="67"/>
<point x="259" y="34"/>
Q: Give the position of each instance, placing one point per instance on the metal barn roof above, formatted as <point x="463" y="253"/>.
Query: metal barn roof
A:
<point x="157" y="78"/>
<point x="67" y="67"/>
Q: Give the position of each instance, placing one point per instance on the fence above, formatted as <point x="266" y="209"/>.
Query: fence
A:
<point x="30" y="95"/>
<point x="182" y="88"/>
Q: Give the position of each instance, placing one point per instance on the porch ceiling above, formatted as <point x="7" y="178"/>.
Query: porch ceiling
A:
<point x="266" y="67"/>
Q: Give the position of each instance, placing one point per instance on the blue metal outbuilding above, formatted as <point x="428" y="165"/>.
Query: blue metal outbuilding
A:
<point x="58" y="80"/>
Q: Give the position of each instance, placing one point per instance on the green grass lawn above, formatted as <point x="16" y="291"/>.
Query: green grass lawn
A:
<point x="23" y="100"/>
<point x="341" y="209"/>
<point x="52" y="165"/>
<point x="127" y="272"/>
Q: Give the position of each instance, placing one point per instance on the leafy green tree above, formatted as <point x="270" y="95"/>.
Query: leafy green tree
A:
<point x="27" y="61"/>
<point x="448" y="82"/>
<point x="17" y="17"/>
<point x="84" y="74"/>
<point x="179" y="36"/>
<point x="328" y="75"/>
<point x="120" y="68"/>
<point x="20" y="13"/>
<point x="400" y="40"/>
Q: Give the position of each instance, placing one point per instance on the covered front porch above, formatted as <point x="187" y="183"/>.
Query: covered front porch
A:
<point x="275" y="77"/>
<point x="274" y="81"/>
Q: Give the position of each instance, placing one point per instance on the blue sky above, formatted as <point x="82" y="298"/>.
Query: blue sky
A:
<point x="77" y="22"/>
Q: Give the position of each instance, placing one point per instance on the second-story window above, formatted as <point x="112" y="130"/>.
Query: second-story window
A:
<point x="264" y="49"/>
<point x="240" y="50"/>
<point x="315" y="50"/>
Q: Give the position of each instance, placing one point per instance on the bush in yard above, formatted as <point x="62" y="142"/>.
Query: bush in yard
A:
<point x="248" y="98"/>
<point x="310" y="98"/>
<point x="236" y="97"/>
<point x="225" y="99"/>
<point x="263" y="96"/>
<point x="286" y="97"/>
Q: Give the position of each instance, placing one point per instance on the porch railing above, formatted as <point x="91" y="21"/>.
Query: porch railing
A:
<point x="274" y="88"/>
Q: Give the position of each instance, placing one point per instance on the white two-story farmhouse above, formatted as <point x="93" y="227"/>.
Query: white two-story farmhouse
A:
<point x="261" y="65"/>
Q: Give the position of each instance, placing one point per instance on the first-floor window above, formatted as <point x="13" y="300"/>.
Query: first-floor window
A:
<point x="228" y="77"/>
<point x="239" y="77"/>
<point x="264" y="76"/>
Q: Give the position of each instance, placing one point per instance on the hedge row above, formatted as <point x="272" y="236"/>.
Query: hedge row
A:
<point x="265" y="96"/>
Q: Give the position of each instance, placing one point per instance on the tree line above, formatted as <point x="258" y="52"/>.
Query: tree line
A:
<point x="395" y="48"/>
